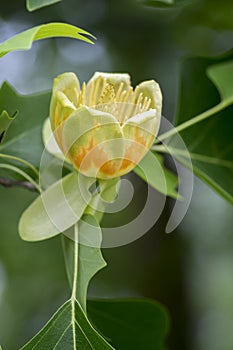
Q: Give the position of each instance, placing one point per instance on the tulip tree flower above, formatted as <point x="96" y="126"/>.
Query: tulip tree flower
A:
<point x="104" y="127"/>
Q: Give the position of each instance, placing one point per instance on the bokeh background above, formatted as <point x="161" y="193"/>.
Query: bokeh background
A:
<point x="190" y="270"/>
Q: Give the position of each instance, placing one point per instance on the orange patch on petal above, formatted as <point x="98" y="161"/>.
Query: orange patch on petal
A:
<point x="125" y="164"/>
<point x="94" y="158"/>
<point x="140" y="136"/>
<point x="110" y="168"/>
<point x="82" y="153"/>
<point x="136" y="149"/>
<point x="131" y="158"/>
<point x="143" y="137"/>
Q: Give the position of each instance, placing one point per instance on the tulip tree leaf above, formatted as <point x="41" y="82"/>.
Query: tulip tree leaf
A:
<point x="90" y="259"/>
<point x="55" y="210"/>
<point x="33" y="5"/>
<point x="209" y="81"/>
<point x="131" y="324"/>
<point x="5" y="122"/>
<point x="23" y="138"/>
<point x="68" y="329"/>
<point x="221" y="74"/>
<point x="164" y="3"/>
<point x="152" y="170"/>
<point x="24" y="40"/>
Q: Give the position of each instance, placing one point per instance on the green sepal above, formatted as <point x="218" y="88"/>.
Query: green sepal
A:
<point x="109" y="189"/>
<point x="56" y="209"/>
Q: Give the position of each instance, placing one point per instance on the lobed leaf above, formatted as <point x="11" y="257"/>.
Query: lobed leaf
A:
<point x="23" y="138"/>
<point x="68" y="329"/>
<point x="33" y="5"/>
<point x="152" y="170"/>
<point x="5" y="122"/>
<point x="24" y="40"/>
<point x="130" y="324"/>
<point x="164" y="3"/>
<point x="209" y="139"/>
<point x="221" y="76"/>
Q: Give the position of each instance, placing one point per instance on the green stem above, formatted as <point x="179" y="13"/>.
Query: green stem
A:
<point x="193" y="156"/>
<point x="91" y="208"/>
<point x="210" y="112"/>
<point x="75" y="278"/>
<point x="74" y="286"/>
<point x="75" y="273"/>
<point x="22" y="173"/>
<point x="20" y="160"/>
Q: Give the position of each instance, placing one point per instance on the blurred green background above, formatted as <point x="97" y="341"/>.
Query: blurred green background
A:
<point x="190" y="270"/>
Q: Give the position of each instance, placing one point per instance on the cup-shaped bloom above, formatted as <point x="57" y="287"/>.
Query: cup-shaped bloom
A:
<point x="105" y="127"/>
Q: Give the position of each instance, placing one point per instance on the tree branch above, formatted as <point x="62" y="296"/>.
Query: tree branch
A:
<point x="12" y="183"/>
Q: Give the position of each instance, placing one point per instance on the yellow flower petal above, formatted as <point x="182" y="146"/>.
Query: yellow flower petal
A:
<point x="139" y="133"/>
<point x="65" y="96"/>
<point x="93" y="141"/>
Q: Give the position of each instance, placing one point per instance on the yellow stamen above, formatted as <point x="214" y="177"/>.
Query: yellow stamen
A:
<point x="103" y="91"/>
<point x="82" y="97"/>
<point x="132" y="103"/>
<point x="119" y="92"/>
<point x="77" y="96"/>
<point x="144" y="104"/>
<point x="95" y="93"/>
<point x="126" y="99"/>
<point x="124" y="104"/>
<point x="138" y="105"/>
<point x="148" y="104"/>
<point x="90" y="102"/>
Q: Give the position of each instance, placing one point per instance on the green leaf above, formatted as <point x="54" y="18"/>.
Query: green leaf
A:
<point x="210" y="139"/>
<point x="5" y="122"/>
<point x="33" y="5"/>
<point x="68" y="329"/>
<point x="23" y="138"/>
<point x="24" y="40"/>
<point x="221" y="74"/>
<point x="164" y="3"/>
<point x="152" y="170"/>
<point x="131" y="324"/>
<point x="56" y="209"/>
<point x="89" y="256"/>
